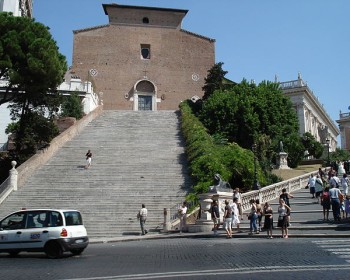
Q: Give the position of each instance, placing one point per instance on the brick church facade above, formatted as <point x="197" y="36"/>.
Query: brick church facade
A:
<point x="143" y="59"/>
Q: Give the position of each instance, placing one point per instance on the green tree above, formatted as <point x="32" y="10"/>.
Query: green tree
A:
<point x="214" y="80"/>
<point x="29" y="60"/>
<point x="32" y="65"/>
<point x="38" y="132"/>
<point x="248" y="113"/>
<point x="311" y="145"/>
<point x="339" y="154"/>
<point x="72" y="107"/>
<point x="295" y="149"/>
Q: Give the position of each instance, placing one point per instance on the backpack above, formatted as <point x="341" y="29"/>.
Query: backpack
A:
<point x="325" y="196"/>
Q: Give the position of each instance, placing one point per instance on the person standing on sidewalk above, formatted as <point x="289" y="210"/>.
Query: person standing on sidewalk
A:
<point x="283" y="223"/>
<point x="312" y="181"/>
<point x="228" y="219"/>
<point x="286" y="196"/>
<point x="183" y="215"/>
<point x="345" y="183"/>
<point x="335" y="193"/>
<point x="142" y="216"/>
<point x="215" y="215"/>
<point x="326" y="203"/>
<point x="235" y="215"/>
<point x="237" y="194"/>
<point x="268" y="224"/>
<point x="259" y="212"/>
<point x="318" y="187"/>
<point x="253" y="216"/>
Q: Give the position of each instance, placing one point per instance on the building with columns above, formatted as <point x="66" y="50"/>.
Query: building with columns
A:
<point x="19" y="8"/>
<point x="312" y="116"/>
<point x="344" y="127"/>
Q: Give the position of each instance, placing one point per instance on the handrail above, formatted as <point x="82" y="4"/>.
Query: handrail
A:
<point x="5" y="189"/>
<point x="273" y="191"/>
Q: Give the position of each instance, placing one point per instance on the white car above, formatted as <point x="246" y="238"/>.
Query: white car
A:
<point x="51" y="231"/>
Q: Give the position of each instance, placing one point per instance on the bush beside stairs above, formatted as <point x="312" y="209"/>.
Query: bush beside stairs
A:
<point x="138" y="157"/>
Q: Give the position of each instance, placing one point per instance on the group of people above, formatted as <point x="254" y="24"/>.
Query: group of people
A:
<point x="326" y="188"/>
<point x="257" y="212"/>
<point x="233" y="215"/>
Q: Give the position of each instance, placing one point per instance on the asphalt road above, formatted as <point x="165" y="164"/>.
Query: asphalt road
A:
<point x="190" y="258"/>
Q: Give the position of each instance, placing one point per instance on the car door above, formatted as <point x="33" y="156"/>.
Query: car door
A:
<point x="11" y="229"/>
<point x="35" y="234"/>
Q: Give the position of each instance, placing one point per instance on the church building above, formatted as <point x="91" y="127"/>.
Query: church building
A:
<point x="142" y="59"/>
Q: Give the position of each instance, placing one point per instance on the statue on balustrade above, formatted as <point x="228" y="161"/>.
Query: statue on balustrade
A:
<point x="219" y="185"/>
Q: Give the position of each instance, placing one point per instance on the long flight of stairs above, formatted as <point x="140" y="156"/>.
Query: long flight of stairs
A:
<point x="138" y="157"/>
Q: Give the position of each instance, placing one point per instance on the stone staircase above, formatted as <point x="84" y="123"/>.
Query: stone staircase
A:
<point x="138" y="157"/>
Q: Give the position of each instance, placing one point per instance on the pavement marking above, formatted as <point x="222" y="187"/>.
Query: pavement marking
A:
<point x="335" y="246"/>
<point x="331" y="241"/>
<point x="245" y="270"/>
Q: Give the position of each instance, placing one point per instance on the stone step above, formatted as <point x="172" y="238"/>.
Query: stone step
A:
<point x="138" y="157"/>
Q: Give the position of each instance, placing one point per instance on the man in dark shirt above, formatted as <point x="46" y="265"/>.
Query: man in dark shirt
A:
<point x="286" y="196"/>
<point x="215" y="215"/>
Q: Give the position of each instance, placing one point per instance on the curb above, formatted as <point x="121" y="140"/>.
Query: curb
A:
<point x="211" y="235"/>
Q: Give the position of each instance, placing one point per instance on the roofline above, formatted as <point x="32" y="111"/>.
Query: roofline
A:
<point x="142" y="8"/>
<point x="90" y="28"/>
<point x="197" y="35"/>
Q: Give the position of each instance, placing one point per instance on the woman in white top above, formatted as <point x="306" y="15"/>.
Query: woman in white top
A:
<point x="283" y="210"/>
<point x="237" y="194"/>
<point x="345" y="183"/>
<point x="182" y="214"/>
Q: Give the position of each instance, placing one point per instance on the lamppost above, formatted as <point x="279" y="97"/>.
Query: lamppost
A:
<point x="255" y="184"/>
<point x="328" y="161"/>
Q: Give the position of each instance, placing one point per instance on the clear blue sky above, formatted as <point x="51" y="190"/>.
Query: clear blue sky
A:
<point x="256" y="39"/>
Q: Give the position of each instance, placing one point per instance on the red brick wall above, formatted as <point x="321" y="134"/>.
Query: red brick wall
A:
<point x="114" y="51"/>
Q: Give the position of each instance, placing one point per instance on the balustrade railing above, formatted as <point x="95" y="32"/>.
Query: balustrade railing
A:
<point x="272" y="192"/>
<point x="265" y="194"/>
<point x="5" y="189"/>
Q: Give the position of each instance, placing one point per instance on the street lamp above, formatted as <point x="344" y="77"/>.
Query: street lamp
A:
<point x="256" y="183"/>
<point x="328" y="161"/>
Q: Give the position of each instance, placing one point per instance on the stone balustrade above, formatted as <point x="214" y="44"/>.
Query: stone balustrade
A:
<point x="266" y="194"/>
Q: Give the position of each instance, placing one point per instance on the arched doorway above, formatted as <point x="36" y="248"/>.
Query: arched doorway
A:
<point x="144" y="96"/>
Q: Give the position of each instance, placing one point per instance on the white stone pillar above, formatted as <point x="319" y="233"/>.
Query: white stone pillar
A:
<point x="167" y="223"/>
<point x="205" y="223"/>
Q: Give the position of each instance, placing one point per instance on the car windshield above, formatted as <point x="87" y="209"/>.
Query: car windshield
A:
<point x="73" y="218"/>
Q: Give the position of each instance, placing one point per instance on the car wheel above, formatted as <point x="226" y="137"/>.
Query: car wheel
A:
<point x="14" y="253"/>
<point x="77" y="251"/>
<point x="53" y="250"/>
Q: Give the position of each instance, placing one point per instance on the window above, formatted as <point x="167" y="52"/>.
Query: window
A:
<point x="13" y="222"/>
<point x="145" y="20"/>
<point x="145" y="51"/>
<point x="73" y="218"/>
